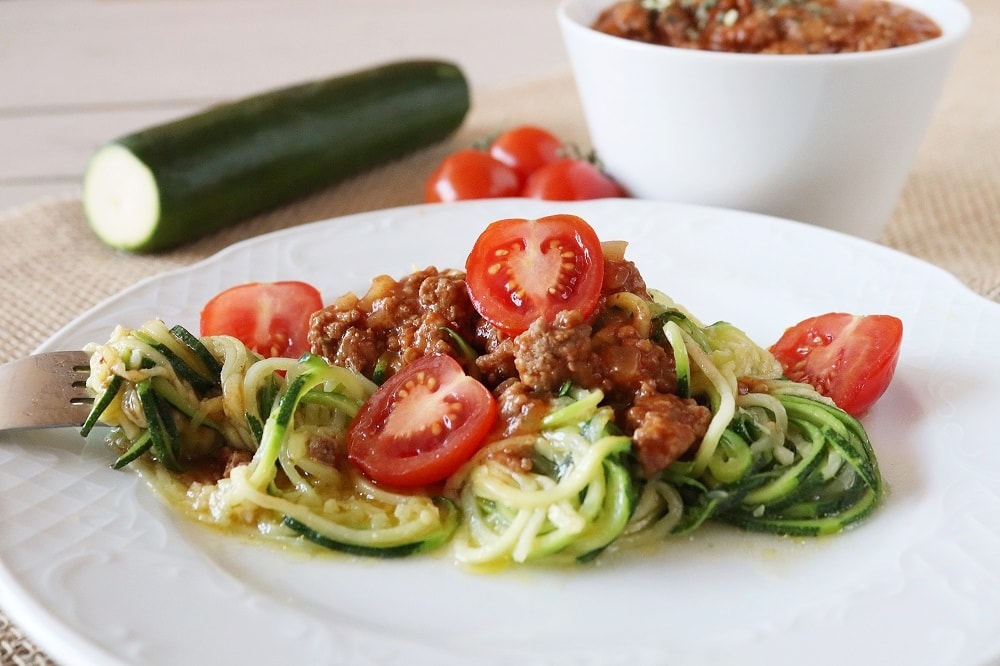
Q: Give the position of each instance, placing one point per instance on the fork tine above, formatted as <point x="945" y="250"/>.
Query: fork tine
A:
<point x="45" y="391"/>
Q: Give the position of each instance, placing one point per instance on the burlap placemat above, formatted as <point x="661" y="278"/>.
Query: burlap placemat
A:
<point x="54" y="269"/>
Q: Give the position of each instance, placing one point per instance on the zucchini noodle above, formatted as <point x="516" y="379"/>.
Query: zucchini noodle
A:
<point x="720" y="386"/>
<point x="571" y="504"/>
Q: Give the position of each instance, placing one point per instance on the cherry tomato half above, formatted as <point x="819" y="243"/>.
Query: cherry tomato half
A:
<point x="271" y="318"/>
<point x="422" y="424"/>
<point x="471" y="174"/>
<point x="520" y="270"/>
<point x="526" y="149"/>
<point x="848" y="358"/>
<point x="571" y="179"/>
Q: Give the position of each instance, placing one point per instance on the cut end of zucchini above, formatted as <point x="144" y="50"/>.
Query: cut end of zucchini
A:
<point x="120" y="198"/>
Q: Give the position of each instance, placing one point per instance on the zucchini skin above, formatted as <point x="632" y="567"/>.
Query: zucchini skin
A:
<point x="241" y="158"/>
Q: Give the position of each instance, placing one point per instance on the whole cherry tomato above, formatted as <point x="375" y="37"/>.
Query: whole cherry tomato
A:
<point x="471" y="174"/>
<point x="526" y="149"/>
<point x="571" y="179"/>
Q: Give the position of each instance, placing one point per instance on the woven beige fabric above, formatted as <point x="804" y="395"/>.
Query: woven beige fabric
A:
<point x="949" y="213"/>
<point x="54" y="269"/>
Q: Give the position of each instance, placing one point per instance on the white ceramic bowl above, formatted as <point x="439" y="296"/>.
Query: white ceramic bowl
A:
<point x="824" y="139"/>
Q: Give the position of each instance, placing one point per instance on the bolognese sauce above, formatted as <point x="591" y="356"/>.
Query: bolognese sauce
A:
<point x="769" y="26"/>
<point x="397" y="322"/>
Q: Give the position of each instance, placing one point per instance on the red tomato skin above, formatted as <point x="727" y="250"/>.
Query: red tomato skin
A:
<point x="446" y="420"/>
<point x="520" y="270"/>
<point x="571" y="179"/>
<point x="848" y="358"/>
<point x="526" y="149"/>
<point x="471" y="174"/>
<point x="271" y="318"/>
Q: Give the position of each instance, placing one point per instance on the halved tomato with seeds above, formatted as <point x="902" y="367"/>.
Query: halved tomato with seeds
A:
<point x="520" y="270"/>
<point x="848" y="358"/>
<point x="271" y="318"/>
<point x="422" y="424"/>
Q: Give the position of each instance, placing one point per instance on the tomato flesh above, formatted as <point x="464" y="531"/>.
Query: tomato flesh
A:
<point x="848" y="358"/>
<point x="526" y="149"/>
<point x="422" y="424"/>
<point x="271" y="318"/>
<point x="520" y="270"/>
<point x="471" y="174"/>
<point x="571" y="179"/>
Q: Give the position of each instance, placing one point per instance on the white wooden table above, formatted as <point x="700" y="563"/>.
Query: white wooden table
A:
<point x="76" y="73"/>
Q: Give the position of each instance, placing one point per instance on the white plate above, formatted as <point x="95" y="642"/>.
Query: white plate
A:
<point x="97" y="571"/>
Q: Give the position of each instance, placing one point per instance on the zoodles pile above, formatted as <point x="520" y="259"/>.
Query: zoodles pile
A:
<point x="255" y="445"/>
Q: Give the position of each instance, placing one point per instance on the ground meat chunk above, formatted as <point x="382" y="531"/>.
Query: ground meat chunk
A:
<point x="664" y="426"/>
<point x="548" y="355"/>
<point x="672" y="25"/>
<point x="443" y="304"/>
<point x="623" y="275"/>
<point x="517" y="457"/>
<point x="615" y="358"/>
<point x="497" y="365"/>
<point x="395" y="322"/>
<point x="445" y="296"/>
<point x="488" y="337"/>
<point x="521" y="411"/>
<point x="326" y="450"/>
<point x="626" y="361"/>
<point x="627" y="19"/>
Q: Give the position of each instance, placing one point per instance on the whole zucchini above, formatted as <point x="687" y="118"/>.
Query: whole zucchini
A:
<point x="175" y="182"/>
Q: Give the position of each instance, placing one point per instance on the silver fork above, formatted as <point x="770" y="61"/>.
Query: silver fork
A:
<point x="45" y="391"/>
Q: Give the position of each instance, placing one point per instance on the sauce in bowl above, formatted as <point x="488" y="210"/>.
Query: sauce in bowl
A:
<point x="768" y="26"/>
